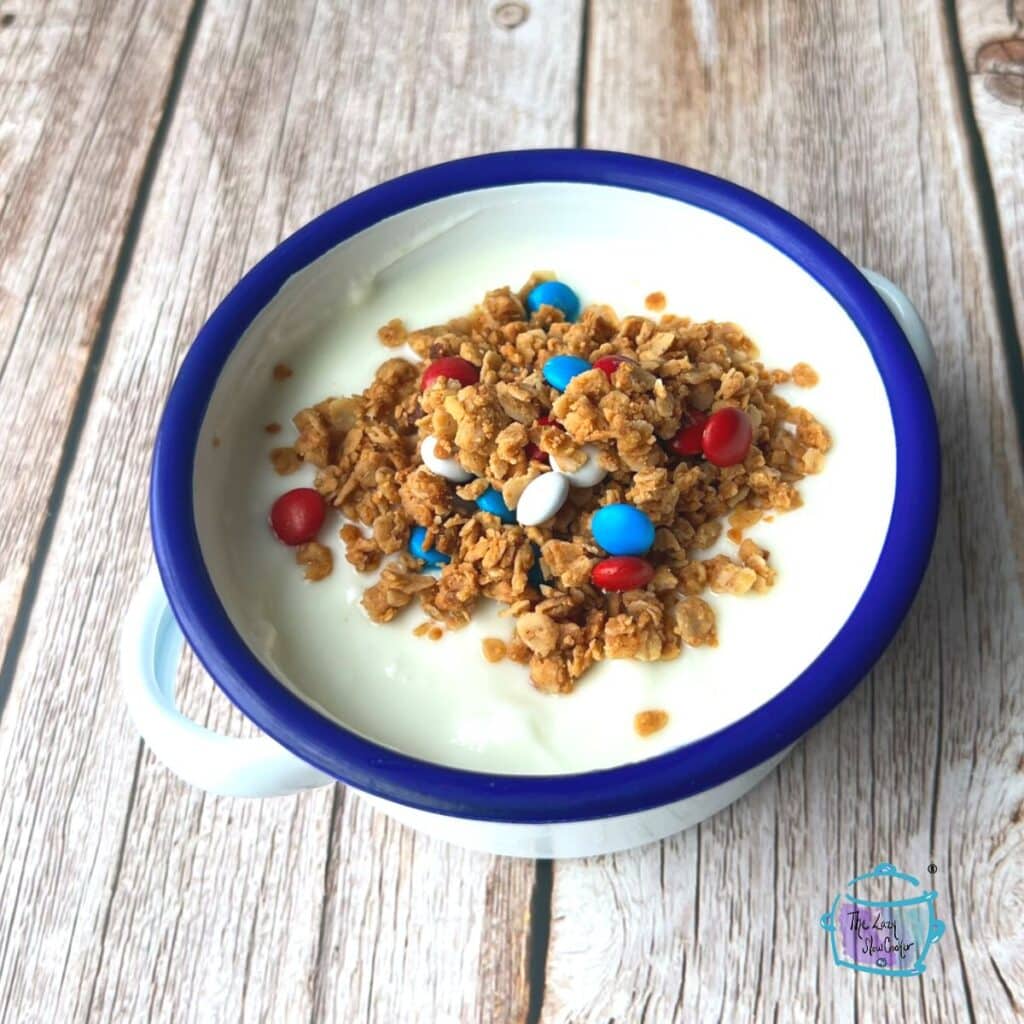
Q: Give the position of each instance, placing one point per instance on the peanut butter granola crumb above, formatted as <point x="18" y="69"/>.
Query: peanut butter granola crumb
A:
<point x="804" y="375"/>
<point x="655" y="302"/>
<point x="647" y="723"/>
<point x="273" y="428"/>
<point x="494" y="649"/>
<point x="317" y="559"/>
<point x="285" y="461"/>
<point x="392" y="334"/>
<point x="282" y="372"/>
<point x="502" y="429"/>
<point x="216" y="442"/>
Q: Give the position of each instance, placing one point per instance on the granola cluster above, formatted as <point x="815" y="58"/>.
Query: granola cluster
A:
<point x="365" y="449"/>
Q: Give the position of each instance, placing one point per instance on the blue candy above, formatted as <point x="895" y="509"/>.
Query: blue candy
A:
<point x="622" y="530"/>
<point x="554" y="293"/>
<point x="492" y="501"/>
<point x="536" y="575"/>
<point x="433" y="557"/>
<point x="559" y="370"/>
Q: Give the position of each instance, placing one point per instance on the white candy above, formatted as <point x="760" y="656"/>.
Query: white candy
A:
<point x="589" y="474"/>
<point x="448" y="468"/>
<point x="542" y="498"/>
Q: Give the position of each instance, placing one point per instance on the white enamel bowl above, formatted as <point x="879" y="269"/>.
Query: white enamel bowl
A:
<point x="433" y="734"/>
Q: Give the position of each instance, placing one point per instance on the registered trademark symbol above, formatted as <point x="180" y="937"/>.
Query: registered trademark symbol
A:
<point x="932" y="868"/>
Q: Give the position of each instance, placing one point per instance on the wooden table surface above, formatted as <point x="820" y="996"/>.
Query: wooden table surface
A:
<point x="152" y="151"/>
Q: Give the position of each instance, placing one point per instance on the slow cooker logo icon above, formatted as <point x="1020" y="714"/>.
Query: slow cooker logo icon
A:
<point x="890" y="936"/>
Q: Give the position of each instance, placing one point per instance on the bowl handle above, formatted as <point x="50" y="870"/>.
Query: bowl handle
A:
<point x="151" y="644"/>
<point x="908" y="318"/>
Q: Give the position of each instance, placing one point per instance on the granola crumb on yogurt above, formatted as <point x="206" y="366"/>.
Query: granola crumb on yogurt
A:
<point x="647" y="723"/>
<point x="804" y="375"/>
<point x="573" y="465"/>
<point x="494" y="649"/>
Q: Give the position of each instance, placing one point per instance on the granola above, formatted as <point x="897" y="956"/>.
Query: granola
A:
<point x="510" y="426"/>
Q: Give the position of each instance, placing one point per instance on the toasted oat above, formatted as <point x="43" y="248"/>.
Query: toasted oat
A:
<point x="655" y="302"/>
<point x="494" y="650"/>
<point x="398" y="586"/>
<point x="694" y="622"/>
<point x="804" y="375"/>
<point x="285" y="461"/>
<point x="317" y="559"/>
<point x="726" y="577"/>
<point x="392" y="334"/>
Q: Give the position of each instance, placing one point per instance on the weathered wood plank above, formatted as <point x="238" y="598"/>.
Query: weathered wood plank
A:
<point x="991" y="37"/>
<point x="82" y="86"/>
<point x="392" y="909"/>
<point x="126" y="896"/>
<point x="848" y="115"/>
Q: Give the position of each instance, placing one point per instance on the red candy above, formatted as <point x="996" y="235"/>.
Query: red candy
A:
<point x="452" y="367"/>
<point x="624" y="572"/>
<point x="688" y="440"/>
<point x="727" y="436"/>
<point x="296" y="517"/>
<point x="608" y="364"/>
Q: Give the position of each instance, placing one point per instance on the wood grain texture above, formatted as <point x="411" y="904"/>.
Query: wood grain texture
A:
<point x="82" y="86"/>
<point x="991" y="36"/>
<point x="416" y="930"/>
<point x="847" y="114"/>
<point x="127" y="896"/>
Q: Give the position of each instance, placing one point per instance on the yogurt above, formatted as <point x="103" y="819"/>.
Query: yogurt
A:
<point x="442" y="701"/>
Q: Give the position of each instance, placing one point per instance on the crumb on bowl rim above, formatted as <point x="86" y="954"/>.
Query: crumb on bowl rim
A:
<point x="662" y="779"/>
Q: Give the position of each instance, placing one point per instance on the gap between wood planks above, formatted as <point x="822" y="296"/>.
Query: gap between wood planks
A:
<point x="97" y="352"/>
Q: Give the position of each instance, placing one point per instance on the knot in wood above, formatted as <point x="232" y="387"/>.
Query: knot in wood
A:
<point x="510" y="15"/>
<point x="1001" y="63"/>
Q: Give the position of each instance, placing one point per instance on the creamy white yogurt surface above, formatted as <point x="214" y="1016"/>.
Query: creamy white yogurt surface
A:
<point x="441" y="700"/>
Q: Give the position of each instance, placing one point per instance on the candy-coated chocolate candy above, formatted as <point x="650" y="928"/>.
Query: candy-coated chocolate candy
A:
<point x="541" y="499"/>
<point x="554" y="293"/>
<point x="589" y="474"/>
<point x="727" y="436"/>
<point x="559" y="370"/>
<point x="689" y="440"/>
<point x="622" y="530"/>
<point x="432" y="557"/>
<point x="448" y="468"/>
<point x="492" y="501"/>
<point x="296" y="517"/>
<point x="623" y="572"/>
<point x="452" y="367"/>
<point x="609" y="364"/>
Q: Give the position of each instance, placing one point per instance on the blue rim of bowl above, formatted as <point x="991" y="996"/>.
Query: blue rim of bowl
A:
<point x="672" y="776"/>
